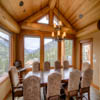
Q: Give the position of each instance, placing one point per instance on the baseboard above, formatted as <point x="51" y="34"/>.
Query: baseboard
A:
<point x="95" y="86"/>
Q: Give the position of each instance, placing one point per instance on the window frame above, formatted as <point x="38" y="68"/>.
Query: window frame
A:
<point x="82" y="42"/>
<point x="4" y="76"/>
<point x="32" y="36"/>
<point x="73" y="53"/>
<point x="57" y="50"/>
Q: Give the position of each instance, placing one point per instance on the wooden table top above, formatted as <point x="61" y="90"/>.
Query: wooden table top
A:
<point x="44" y="75"/>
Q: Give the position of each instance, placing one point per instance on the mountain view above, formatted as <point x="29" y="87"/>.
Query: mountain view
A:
<point x="4" y="56"/>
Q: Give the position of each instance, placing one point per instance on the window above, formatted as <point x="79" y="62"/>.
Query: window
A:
<point x="50" y="50"/>
<point x="86" y="53"/>
<point x="31" y="50"/>
<point x="55" y="20"/>
<point x="68" y="50"/>
<point x="4" y="52"/>
<point x="44" y="20"/>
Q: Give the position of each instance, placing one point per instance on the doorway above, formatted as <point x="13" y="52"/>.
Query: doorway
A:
<point x="86" y="52"/>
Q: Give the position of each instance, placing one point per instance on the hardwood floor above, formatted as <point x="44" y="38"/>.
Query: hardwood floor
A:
<point x="94" y="95"/>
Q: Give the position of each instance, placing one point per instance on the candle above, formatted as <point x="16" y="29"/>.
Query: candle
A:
<point x="58" y="33"/>
<point x="52" y="34"/>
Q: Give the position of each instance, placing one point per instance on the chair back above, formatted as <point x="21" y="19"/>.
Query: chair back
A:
<point x="46" y="66"/>
<point x="85" y="66"/>
<point x="57" y="65"/>
<point x="87" y="77"/>
<point x="36" y="67"/>
<point x="14" y="78"/>
<point x="66" y="64"/>
<point x="31" y="88"/>
<point x="54" y="84"/>
<point x="74" y="80"/>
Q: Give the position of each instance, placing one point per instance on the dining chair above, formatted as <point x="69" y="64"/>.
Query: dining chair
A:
<point x="53" y="87"/>
<point x="57" y="64"/>
<point x="31" y="88"/>
<point x="66" y="64"/>
<point x="46" y="66"/>
<point x="87" y="77"/>
<point x="17" y="87"/>
<point x="36" y="66"/>
<point x="85" y="66"/>
<point x="73" y="84"/>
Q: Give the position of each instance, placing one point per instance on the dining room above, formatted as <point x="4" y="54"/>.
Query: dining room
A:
<point x="49" y="50"/>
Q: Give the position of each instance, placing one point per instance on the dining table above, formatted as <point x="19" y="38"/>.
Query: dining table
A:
<point x="43" y="75"/>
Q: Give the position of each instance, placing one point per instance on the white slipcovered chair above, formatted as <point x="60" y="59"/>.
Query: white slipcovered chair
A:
<point x="66" y="64"/>
<point x="85" y="66"/>
<point x="31" y="88"/>
<point x="46" y="66"/>
<point x="57" y="65"/>
<point x="87" y="77"/>
<point x="17" y="87"/>
<point x="36" y="67"/>
<point x="73" y="84"/>
<point x="54" y="85"/>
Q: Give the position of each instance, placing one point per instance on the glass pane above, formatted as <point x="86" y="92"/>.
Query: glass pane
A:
<point x="86" y="53"/>
<point x="31" y="50"/>
<point x="68" y="45"/>
<point x="44" y="20"/>
<point x="55" y="20"/>
<point x="4" y="52"/>
<point x="50" y="47"/>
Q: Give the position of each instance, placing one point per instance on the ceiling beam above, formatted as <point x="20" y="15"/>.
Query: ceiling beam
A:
<point x="52" y="4"/>
<point x="89" y="29"/>
<point x="38" y="15"/>
<point x="61" y="17"/>
<point x="51" y="17"/>
<point x="8" y="21"/>
<point x="44" y="28"/>
<point x="37" y="26"/>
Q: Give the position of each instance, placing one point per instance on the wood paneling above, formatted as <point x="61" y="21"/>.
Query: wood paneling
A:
<point x="52" y="4"/>
<point x="38" y="15"/>
<point x="21" y="12"/>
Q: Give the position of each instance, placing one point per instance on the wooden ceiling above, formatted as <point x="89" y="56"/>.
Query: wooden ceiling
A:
<point x="79" y="13"/>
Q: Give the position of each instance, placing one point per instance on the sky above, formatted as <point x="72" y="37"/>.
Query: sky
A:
<point x="4" y="35"/>
<point x="34" y="43"/>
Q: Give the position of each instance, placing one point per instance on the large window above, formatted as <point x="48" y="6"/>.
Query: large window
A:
<point x="31" y="50"/>
<point x="68" y="50"/>
<point x="4" y="52"/>
<point x="50" y="50"/>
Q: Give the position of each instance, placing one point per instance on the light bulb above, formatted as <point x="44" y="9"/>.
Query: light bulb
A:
<point x="64" y="33"/>
<point x="54" y="25"/>
<point x="58" y="33"/>
<point x="60" y="23"/>
<point x="52" y="34"/>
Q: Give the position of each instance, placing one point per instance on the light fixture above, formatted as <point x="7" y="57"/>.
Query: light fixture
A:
<point x="58" y="34"/>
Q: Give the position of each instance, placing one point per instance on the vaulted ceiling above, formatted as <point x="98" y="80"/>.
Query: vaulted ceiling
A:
<point x="79" y="13"/>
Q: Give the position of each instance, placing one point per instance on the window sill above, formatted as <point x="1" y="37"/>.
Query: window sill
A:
<point x="3" y="78"/>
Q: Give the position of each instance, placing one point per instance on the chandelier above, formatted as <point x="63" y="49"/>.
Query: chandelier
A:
<point x="58" y="34"/>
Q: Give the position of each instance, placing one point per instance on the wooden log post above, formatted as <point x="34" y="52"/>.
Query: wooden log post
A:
<point x="90" y="29"/>
<point x="8" y="21"/>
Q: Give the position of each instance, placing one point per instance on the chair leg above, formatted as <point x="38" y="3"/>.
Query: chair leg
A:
<point x="89" y="94"/>
<point x="81" y="96"/>
<point x="12" y="96"/>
